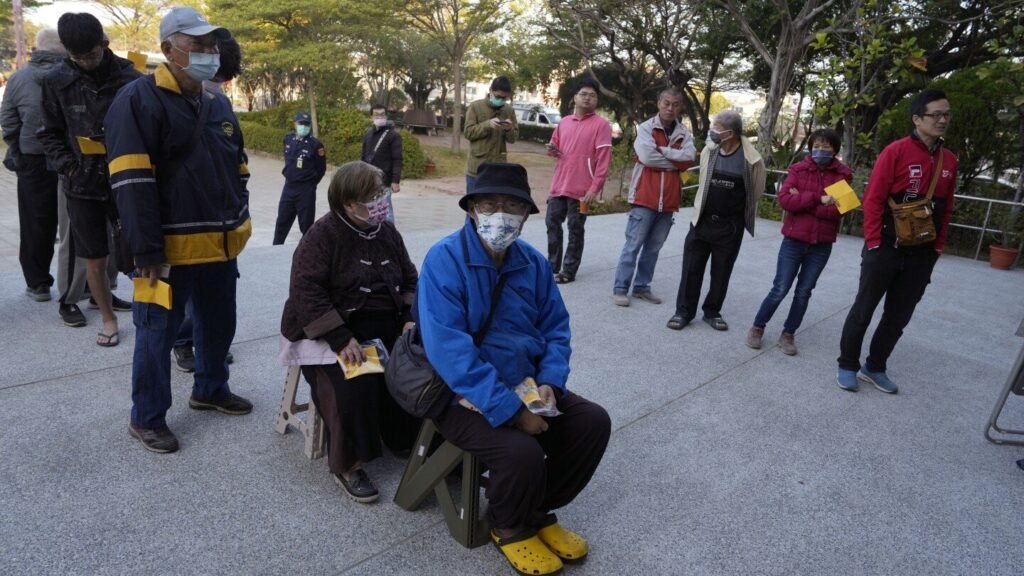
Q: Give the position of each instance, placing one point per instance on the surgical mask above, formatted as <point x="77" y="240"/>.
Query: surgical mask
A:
<point x="822" y="157"/>
<point x="499" y="230"/>
<point x="715" y="137"/>
<point x="497" y="102"/>
<point x="380" y="122"/>
<point x="201" y="66"/>
<point x="301" y="130"/>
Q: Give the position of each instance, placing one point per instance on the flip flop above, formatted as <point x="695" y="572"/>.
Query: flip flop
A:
<point x="717" y="323"/>
<point x="527" y="554"/>
<point x="108" y="340"/>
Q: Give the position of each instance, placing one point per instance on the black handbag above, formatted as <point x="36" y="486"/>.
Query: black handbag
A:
<point x="412" y="381"/>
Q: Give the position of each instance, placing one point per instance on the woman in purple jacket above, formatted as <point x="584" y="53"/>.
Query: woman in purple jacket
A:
<point x="810" y="226"/>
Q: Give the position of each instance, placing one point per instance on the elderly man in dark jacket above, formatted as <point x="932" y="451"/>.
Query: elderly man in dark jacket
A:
<point x="37" y="184"/>
<point x="76" y="96"/>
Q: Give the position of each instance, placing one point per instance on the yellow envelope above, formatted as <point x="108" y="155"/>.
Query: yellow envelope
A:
<point x="844" y="195"/>
<point x="159" y="294"/>
<point x="90" y="147"/>
<point x="139" y="60"/>
<point x="371" y="366"/>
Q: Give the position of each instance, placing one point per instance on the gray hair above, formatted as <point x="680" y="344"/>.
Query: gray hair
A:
<point x="670" y="91"/>
<point x="730" y="120"/>
<point x="47" y="40"/>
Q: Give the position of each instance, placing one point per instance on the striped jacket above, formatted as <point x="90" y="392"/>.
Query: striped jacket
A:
<point x="199" y="214"/>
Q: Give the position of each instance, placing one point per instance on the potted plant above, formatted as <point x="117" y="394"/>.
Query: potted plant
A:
<point x="1003" y="253"/>
<point x="428" y="165"/>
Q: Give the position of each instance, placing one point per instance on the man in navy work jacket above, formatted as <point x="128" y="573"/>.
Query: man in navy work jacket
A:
<point x="305" y="163"/>
<point x="528" y="338"/>
<point x="180" y="185"/>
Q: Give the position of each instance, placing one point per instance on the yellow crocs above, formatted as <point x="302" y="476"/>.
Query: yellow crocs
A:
<point x="528" y="555"/>
<point x="568" y="545"/>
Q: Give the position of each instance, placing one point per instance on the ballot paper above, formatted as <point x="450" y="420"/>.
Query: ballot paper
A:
<point x="376" y="359"/>
<point x="146" y="294"/>
<point x="844" y="195"/>
<point x="90" y="147"/>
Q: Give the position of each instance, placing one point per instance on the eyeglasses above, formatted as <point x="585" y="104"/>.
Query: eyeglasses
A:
<point x="489" y="206"/>
<point x="939" y="115"/>
<point x="91" y="57"/>
<point x="587" y="94"/>
<point x="382" y="195"/>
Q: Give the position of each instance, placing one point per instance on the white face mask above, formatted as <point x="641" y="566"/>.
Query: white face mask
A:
<point x="499" y="230"/>
<point x="380" y="122"/>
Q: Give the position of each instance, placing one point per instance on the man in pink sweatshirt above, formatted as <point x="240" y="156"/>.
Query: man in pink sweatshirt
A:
<point x="582" y="145"/>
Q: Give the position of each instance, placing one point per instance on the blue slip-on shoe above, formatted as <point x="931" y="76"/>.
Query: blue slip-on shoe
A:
<point x="847" y="380"/>
<point x="879" y="379"/>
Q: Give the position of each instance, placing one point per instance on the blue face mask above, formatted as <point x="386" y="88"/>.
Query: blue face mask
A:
<point x="497" y="102"/>
<point x="822" y="157"/>
<point x="301" y="130"/>
<point x="201" y="66"/>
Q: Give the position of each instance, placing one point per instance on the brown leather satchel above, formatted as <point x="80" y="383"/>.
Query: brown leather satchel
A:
<point x="913" y="221"/>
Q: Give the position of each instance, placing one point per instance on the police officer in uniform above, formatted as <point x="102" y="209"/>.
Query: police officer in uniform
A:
<point x="305" y="163"/>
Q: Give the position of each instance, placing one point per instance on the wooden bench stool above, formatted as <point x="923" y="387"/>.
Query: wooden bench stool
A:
<point x="312" y="428"/>
<point x="427" y="471"/>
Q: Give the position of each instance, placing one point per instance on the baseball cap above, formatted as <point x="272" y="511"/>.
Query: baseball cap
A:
<point x="188" y="21"/>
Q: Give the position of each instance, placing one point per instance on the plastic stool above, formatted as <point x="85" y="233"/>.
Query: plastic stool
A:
<point x="428" y="471"/>
<point x="312" y="428"/>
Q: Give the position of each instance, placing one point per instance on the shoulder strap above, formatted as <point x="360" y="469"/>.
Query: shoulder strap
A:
<point x="175" y="163"/>
<point x="379" y="142"/>
<point x="479" y="336"/>
<point x="935" y="175"/>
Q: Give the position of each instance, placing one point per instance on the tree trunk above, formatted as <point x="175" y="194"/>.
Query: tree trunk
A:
<point x="19" y="34"/>
<point x="311" y="92"/>
<point x="457" y="112"/>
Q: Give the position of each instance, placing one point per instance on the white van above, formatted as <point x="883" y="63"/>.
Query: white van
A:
<point x="533" y="114"/>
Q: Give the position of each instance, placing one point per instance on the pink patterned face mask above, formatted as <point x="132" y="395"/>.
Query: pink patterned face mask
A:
<point x="377" y="209"/>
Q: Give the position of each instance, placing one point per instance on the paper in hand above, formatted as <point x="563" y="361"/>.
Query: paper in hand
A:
<point x="146" y="294"/>
<point x="376" y="358"/>
<point x="844" y="195"/>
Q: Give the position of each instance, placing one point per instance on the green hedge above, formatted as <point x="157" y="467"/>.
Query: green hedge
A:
<point x="341" y="131"/>
<point x="263" y="138"/>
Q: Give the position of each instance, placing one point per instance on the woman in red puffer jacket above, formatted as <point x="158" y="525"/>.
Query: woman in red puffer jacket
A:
<point x="810" y="226"/>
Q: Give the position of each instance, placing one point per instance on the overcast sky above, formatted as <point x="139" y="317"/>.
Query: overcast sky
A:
<point x="47" y="15"/>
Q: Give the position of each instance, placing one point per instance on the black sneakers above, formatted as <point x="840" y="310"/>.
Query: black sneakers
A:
<point x="159" y="439"/>
<point x="72" y="315"/>
<point x="358" y="487"/>
<point x="118" y="304"/>
<point x="184" y="358"/>
<point x="40" y="293"/>
<point x="232" y="404"/>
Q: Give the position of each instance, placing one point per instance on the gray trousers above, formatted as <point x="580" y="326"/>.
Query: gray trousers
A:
<point x="71" y="279"/>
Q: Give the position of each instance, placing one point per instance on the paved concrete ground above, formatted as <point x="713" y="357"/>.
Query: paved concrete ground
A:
<point x="723" y="460"/>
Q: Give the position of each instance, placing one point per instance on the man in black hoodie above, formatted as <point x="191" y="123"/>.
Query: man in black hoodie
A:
<point x="37" y="183"/>
<point x="76" y="95"/>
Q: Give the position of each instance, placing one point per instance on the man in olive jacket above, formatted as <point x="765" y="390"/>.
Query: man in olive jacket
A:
<point x="490" y="125"/>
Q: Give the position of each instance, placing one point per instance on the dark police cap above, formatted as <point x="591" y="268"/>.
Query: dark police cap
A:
<point x="501" y="178"/>
<point x="303" y="118"/>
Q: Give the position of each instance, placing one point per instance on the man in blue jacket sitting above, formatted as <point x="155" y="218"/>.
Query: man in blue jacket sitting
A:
<point x="528" y="339"/>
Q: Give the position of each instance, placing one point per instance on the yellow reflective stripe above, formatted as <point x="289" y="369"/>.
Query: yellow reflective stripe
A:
<point x="206" y="247"/>
<point x="130" y="162"/>
<point x="243" y="170"/>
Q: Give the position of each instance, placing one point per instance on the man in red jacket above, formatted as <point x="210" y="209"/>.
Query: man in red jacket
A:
<point x="903" y="172"/>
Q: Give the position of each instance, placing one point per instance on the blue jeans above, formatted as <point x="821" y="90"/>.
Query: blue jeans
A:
<point x="800" y="261"/>
<point x="211" y="289"/>
<point x="646" y="230"/>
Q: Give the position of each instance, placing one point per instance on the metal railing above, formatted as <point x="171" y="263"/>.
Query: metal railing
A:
<point x="981" y="230"/>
